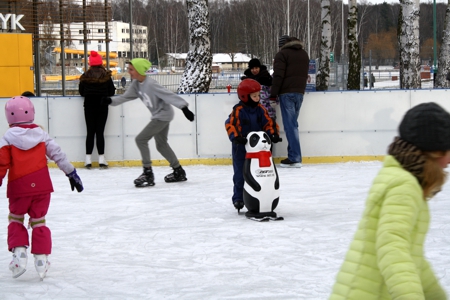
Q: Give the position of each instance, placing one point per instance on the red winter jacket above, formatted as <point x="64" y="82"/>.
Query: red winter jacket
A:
<point x="23" y="151"/>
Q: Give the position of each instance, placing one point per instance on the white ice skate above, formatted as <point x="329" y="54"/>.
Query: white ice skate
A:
<point x="42" y="264"/>
<point x="19" y="262"/>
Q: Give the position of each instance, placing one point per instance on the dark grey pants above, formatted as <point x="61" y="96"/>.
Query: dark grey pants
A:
<point x="159" y="130"/>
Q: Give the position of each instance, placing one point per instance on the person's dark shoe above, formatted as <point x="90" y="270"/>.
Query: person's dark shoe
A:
<point x="286" y="163"/>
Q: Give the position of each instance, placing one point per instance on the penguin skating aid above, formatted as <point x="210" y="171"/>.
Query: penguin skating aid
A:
<point x="261" y="187"/>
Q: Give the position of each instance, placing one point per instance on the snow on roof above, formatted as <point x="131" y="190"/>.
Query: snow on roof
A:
<point x="218" y="57"/>
<point x="226" y="58"/>
<point x="178" y="55"/>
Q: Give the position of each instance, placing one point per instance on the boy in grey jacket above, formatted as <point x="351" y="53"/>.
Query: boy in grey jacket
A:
<point x="159" y="102"/>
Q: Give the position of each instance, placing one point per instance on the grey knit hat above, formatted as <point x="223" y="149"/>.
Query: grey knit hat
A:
<point x="426" y="126"/>
<point x="282" y="40"/>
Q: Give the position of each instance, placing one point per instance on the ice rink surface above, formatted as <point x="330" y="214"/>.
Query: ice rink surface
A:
<point x="186" y="240"/>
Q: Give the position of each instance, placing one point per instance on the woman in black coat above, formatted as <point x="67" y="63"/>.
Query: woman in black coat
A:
<point x="95" y="84"/>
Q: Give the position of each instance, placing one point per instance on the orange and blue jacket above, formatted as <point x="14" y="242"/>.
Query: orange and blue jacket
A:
<point x="245" y="119"/>
<point x="23" y="154"/>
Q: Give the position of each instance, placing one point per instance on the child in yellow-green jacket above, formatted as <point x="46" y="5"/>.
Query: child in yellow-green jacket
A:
<point x="386" y="258"/>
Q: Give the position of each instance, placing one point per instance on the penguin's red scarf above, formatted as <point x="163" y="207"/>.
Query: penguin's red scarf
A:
<point x="262" y="156"/>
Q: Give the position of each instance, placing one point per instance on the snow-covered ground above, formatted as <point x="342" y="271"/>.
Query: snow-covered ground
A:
<point x="186" y="241"/>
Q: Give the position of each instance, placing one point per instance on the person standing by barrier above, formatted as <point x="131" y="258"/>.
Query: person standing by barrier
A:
<point x="159" y="101"/>
<point x="290" y="73"/>
<point x="386" y="258"/>
<point x="23" y="155"/>
<point x="94" y="84"/>
<point x="28" y="94"/>
<point x="260" y="73"/>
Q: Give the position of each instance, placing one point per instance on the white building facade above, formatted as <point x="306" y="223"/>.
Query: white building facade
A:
<point x="119" y="40"/>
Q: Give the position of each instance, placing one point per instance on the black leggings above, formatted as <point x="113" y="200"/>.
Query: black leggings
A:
<point x="95" y="124"/>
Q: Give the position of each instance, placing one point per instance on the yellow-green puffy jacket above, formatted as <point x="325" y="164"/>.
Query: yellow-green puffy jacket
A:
<point x="386" y="259"/>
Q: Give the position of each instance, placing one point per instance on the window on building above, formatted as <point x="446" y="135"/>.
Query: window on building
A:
<point x="145" y="31"/>
<point x="123" y="30"/>
<point x="100" y="31"/>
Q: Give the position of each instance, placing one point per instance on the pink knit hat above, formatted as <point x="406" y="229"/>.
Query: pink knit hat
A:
<point x="95" y="59"/>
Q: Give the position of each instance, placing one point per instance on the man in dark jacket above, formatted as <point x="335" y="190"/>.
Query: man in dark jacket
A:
<point x="290" y="73"/>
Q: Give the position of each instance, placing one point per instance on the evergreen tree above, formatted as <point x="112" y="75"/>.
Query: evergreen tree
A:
<point x="386" y="20"/>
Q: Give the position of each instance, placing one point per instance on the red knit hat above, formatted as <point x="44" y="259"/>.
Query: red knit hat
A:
<point x="95" y="59"/>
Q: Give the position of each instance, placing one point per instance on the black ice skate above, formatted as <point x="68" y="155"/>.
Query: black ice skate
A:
<point x="178" y="175"/>
<point x="146" y="178"/>
<point x="239" y="204"/>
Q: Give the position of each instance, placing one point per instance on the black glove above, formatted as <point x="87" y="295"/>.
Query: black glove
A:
<point x="188" y="114"/>
<point x="242" y="140"/>
<point x="275" y="138"/>
<point x="75" y="181"/>
<point x="105" y="101"/>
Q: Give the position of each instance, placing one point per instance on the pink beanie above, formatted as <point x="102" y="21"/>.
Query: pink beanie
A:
<point x="95" y="59"/>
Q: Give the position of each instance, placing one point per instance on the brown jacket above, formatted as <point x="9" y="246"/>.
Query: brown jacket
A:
<point x="290" y="69"/>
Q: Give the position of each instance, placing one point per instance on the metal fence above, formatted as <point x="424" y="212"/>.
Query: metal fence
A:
<point x="219" y="82"/>
<point x="385" y="78"/>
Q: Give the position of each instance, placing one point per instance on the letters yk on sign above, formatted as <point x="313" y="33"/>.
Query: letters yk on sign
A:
<point x="14" y="20"/>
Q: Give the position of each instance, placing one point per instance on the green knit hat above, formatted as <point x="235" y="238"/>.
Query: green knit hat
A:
<point x="141" y="65"/>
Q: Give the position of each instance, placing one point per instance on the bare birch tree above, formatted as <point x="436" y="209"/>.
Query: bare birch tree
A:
<point x="198" y="70"/>
<point x="444" y="55"/>
<point x="409" y="45"/>
<point x="325" y="46"/>
<point x="354" y="55"/>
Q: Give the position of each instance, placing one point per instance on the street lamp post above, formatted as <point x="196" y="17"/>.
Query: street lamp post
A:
<point x="288" y="17"/>
<point x="309" y="34"/>
<point x="131" y="29"/>
<point x="342" y="46"/>
<point x="434" y="44"/>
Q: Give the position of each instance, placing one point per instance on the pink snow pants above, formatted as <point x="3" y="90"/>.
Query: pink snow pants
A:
<point x="36" y="207"/>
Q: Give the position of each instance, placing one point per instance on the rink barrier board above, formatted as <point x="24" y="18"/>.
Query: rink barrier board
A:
<point x="335" y="126"/>
<point x="228" y="161"/>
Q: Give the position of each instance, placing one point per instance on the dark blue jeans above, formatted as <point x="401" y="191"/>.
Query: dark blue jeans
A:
<point x="238" y="153"/>
<point x="290" y="109"/>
